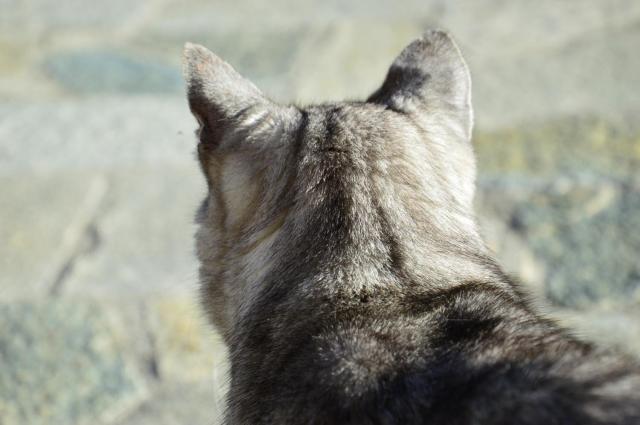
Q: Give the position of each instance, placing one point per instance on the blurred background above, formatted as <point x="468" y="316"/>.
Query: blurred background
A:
<point x="99" y="321"/>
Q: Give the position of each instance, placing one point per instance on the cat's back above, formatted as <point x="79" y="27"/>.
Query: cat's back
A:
<point x="471" y="354"/>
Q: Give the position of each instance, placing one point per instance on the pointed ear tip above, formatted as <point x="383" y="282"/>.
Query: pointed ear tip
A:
<point x="196" y="59"/>
<point x="439" y="36"/>
<point x="437" y="33"/>
<point x="196" y="53"/>
<point x="433" y="43"/>
<point x="188" y="53"/>
<point x="192" y="51"/>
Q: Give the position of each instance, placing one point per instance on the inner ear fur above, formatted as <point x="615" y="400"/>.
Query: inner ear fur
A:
<point x="430" y="78"/>
<point x="222" y="100"/>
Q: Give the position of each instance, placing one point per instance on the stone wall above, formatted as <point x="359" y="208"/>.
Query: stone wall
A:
<point x="98" y="316"/>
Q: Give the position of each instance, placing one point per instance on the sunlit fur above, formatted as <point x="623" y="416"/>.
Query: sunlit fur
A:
<point x="341" y="260"/>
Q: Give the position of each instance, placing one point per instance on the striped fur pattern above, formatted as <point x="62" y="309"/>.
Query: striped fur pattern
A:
<point x="341" y="261"/>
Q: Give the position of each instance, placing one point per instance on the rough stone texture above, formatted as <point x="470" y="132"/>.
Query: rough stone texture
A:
<point x="565" y="145"/>
<point x="570" y="190"/>
<point x="609" y="324"/>
<point x="181" y="404"/>
<point x="187" y="350"/>
<point x="143" y="234"/>
<point x="44" y="219"/>
<point x="98" y="181"/>
<point x="583" y="232"/>
<point x="95" y="134"/>
<point x="109" y="72"/>
<point x="62" y="364"/>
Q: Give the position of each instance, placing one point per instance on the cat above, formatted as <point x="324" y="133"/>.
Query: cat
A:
<point x="341" y="261"/>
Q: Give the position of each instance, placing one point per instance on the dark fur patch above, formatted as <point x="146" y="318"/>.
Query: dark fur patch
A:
<point x="377" y="301"/>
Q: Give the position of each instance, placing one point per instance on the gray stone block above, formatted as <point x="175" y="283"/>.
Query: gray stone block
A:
<point x="179" y="404"/>
<point x="583" y="234"/>
<point x="607" y="324"/>
<point x="61" y="364"/>
<point x="95" y="134"/>
<point x="107" y="71"/>
<point x="144" y="235"/>
<point x="44" y="221"/>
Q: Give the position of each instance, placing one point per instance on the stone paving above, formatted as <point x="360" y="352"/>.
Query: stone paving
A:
<point x="99" y="321"/>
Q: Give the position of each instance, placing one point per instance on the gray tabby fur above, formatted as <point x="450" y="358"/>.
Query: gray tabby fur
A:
<point x="341" y="260"/>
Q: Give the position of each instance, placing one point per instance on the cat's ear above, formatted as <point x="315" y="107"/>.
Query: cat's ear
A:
<point x="220" y="98"/>
<point x="431" y="79"/>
